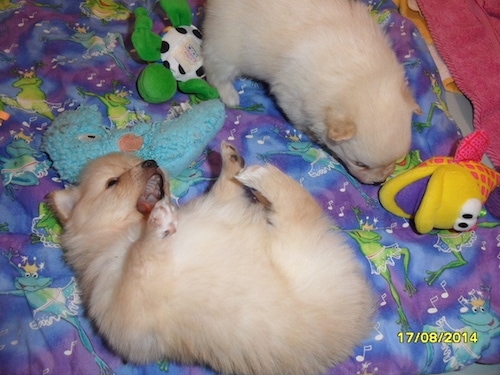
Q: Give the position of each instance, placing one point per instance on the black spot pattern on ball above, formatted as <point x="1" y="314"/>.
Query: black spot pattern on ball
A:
<point x="181" y="70"/>
<point x="166" y="64"/>
<point x="197" y="33"/>
<point x="164" y="47"/>
<point x="181" y="30"/>
<point x="200" y="72"/>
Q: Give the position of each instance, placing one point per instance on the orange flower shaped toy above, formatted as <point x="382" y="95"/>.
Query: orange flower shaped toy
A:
<point x="444" y="192"/>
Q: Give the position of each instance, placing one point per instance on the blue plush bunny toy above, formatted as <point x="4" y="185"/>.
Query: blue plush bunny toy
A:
<point x="77" y="136"/>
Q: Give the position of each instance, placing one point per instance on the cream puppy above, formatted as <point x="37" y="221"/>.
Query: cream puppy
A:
<point x="226" y="281"/>
<point x="330" y="67"/>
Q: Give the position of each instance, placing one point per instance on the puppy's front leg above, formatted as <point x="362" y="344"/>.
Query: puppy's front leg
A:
<point x="162" y="220"/>
<point x="288" y="201"/>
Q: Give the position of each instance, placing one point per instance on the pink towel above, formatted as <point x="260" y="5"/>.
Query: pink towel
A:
<point x="467" y="36"/>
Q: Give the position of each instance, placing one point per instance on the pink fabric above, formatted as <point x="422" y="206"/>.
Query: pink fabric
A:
<point x="467" y="36"/>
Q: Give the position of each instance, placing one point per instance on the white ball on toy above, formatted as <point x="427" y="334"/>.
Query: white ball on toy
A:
<point x="181" y="52"/>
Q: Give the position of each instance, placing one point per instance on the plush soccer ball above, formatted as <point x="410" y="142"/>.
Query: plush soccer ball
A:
<point x="181" y="52"/>
<point x="175" y="56"/>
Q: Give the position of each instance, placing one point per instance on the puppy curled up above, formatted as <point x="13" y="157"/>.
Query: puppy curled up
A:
<point x="329" y="66"/>
<point x="243" y="284"/>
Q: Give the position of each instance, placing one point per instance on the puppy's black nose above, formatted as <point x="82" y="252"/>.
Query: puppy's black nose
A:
<point x="149" y="164"/>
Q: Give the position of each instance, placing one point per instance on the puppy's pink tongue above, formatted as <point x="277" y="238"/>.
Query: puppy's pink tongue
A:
<point x="144" y="207"/>
<point x="146" y="203"/>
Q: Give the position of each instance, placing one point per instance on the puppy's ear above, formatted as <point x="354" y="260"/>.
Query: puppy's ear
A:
<point x="339" y="127"/>
<point x="62" y="202"/>
<point x="408" y="96"/>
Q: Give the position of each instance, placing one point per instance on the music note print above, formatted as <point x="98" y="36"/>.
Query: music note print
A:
<point x="463" y="301"/>
<point x="380" y="335"/>
<point x="402" y="28"/>
<point x="361" y="358"/>
<point x="343" y="188"/>
<point x="237" y="121"/>
<point x="341" y="213"/>
<point x="252" y="132"/>
<point x="445" y="293"/>
<point x="408" y="55"/>
<point x="69" y="351"/>
<point x="390" y="230"/>
<point x="433" y="309"/>
<point x="31" y="119"/>
<point x="49" y="31"/>
<point x="12" y="46"/>
<point x="384" y="302"/>
<point x="263" y="140"/>
<point x="231" y="136"/>
<point x="16" y="340"/>
<point x="22" y="23"/>
<point x="68" y="103"/>
<point x="330" y="205"/>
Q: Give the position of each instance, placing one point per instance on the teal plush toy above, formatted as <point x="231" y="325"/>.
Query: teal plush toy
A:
<point x="175" y="57"/>
<point x="77" y="136"/>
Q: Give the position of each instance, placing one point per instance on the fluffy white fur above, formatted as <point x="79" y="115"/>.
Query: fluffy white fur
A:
<point x="240" y="285"/>
<point x="330" y="68"/>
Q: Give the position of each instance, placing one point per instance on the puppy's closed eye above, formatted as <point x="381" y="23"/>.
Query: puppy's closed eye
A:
<point x="361" y="165"/>
<point x="111" y="182"/>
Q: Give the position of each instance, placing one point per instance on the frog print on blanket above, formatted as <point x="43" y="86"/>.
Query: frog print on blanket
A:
<point x="95" y="45"/>
<point x="50" y="305"/>
<point x="439" y="104"/>
<point x="24" y="166"/>
<point x="380" y="257"/>
<point x="116" y="108"/>
<point x="31" y="98"/>
<point x="479" y="325"/>
<point x="105" y="10"/>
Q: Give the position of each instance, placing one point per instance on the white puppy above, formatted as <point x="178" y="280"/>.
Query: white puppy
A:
<point x="330" y="68"/>
<point x="244" y="287"/>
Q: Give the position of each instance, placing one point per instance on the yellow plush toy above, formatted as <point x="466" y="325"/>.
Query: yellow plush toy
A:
<point x="444" y="192"/>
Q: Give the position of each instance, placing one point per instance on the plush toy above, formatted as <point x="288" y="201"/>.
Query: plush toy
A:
<point x="444" y="192"/>
<point x="78" y="136"/>
<point x="175" y="56"/>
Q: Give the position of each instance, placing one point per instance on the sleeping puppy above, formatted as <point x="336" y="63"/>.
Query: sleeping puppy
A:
<point x="226" y="281"/>
<point x="329" y="66"/>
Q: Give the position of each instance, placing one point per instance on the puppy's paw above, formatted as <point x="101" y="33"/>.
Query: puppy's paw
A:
<point x="163" y="218"/>
<point x="231" y="160"/>
<point x="254" y="177"/>
<point x="229" y="95"/>
<point x="257" y="177"/>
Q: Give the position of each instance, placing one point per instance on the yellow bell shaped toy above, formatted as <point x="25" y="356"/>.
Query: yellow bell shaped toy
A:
<point x="444" y="192"/>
